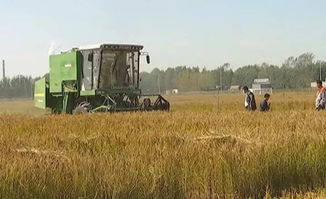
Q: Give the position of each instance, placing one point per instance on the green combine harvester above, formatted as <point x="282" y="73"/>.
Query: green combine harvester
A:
<point x="103" y="78"/>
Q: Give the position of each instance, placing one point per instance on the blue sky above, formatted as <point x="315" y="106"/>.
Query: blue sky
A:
<point x="181" y="32"/>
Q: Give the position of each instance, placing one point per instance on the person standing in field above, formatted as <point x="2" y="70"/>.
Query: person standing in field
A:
<point x="265" y="105"/>
<point x="250" y="102"/>
<point x="321" y="96"/>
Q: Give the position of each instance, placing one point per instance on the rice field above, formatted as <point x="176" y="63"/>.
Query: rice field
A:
<point x="207" y="146"/>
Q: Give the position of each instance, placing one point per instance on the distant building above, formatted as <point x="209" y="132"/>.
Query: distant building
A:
<point x="261" y="86"/>
<point x="172" y="92"/>
<point x="314" y="84"/>
<point x="175" y="91"/>
<point x="235" y="88"/>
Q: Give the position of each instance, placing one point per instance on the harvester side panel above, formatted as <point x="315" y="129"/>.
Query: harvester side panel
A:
<point x="63" y="67"/>
<point x="40" y="93"/>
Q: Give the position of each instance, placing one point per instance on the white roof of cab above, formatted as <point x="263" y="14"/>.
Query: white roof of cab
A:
<point x="88" y="47"/>
<point x="116" y="46"/>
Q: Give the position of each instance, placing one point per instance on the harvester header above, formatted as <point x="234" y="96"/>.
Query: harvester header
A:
<point x="97" y="78"/>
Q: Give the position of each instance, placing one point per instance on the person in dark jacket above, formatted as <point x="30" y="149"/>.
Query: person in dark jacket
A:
<point x="250" y="102"/>
<point x="265" y="105"/>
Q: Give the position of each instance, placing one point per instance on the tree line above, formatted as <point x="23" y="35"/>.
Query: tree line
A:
<point x="17" y="87"/>
<point x="294" y="73"/>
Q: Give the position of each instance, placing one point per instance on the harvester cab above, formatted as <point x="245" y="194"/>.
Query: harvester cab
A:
<point x="103" y="78"/>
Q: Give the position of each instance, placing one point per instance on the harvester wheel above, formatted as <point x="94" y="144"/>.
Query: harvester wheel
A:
<point x="83" y="107"/>
<point x="147" y="103"/>
<point x="79" y="110"/>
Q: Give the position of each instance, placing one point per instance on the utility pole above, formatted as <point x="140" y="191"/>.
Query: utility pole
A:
<point x="3" y="69"/>
<point x="218" y="94"/>
<point x="221" y="80"/>
<point x="158" y="84"/>
<point x="320" y="70"/>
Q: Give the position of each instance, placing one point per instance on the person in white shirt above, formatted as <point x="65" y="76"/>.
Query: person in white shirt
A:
<point x="250" y="102"/>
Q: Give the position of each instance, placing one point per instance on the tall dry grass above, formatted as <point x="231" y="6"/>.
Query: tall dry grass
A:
<point x="206" y="147"/>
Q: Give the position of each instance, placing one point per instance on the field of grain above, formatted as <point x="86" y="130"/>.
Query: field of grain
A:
<point x="207" y="146"/>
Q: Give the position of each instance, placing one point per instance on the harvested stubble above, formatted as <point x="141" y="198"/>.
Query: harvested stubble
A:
<point x="203" y="151"/>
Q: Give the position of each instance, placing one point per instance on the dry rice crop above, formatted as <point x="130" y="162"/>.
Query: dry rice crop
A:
<point x="206" y="147"/>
